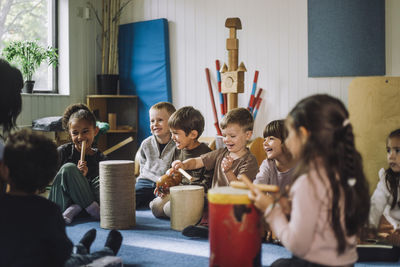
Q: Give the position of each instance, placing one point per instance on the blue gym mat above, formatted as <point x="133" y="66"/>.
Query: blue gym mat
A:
<point x="144" y="66"/>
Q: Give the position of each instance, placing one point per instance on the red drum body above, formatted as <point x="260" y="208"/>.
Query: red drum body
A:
<point x="235" y="228"/>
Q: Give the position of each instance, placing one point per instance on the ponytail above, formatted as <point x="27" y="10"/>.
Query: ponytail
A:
<point x="392" y="183"/>
<point x="78" y="111"/>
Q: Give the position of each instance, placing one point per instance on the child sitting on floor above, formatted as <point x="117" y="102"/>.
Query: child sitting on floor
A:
<point x="229" y="162"/>
<point x="10" y="103"/>
<point x="32" y="228"/>
<point x="155" y="153"/>
<point x="278" y="168"/>
<point x="386" y="199"/>
<point x="187" y="125"/>
<point x="76" y="185"/>
<point x="329" y="197"/>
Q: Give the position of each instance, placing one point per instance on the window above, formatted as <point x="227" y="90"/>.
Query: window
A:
<point x="32" y="20"/>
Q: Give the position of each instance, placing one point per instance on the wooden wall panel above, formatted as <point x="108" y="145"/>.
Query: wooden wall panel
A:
<point x="374" y="113"/>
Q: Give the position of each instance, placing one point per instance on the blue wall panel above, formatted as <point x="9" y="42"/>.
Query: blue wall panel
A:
<point x="144" y="66"/>
<point x="346" y="38"/>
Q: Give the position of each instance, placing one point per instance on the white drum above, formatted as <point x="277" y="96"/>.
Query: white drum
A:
<point x="117" y="194"/>
<point x="187" y="203"/>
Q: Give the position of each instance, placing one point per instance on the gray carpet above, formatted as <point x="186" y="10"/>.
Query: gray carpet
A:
<point x="153" y="243"/>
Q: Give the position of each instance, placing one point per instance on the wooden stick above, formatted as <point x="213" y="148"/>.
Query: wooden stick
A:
<point x="83" y="149"/>
<point x="257" y="108"/>
<point x="247" y="184"/>
<point x="216" y="124"/>
<point x="221" y="96"/>
<point x="187" y="175"/>
<point x="253" y="107"/>
<point x="253" y="92"/>
<point x="119" y="145"/>
<point x="103" y="37"/>
<point x="111" y="38"/>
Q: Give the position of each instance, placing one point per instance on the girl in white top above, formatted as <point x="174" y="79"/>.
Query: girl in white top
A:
<point x="386" y="198"/>
<point x="329" y="197"/>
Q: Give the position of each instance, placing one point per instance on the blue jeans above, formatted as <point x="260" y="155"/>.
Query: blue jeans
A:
<point x="144" y="190"/>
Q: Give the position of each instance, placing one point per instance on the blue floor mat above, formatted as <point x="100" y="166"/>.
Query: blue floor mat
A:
<point x="153" y="243"/>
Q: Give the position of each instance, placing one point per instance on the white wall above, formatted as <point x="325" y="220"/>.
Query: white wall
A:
<point x="273" y="40"/>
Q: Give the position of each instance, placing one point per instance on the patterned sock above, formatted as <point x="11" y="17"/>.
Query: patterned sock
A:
<point x="71" y="212"/>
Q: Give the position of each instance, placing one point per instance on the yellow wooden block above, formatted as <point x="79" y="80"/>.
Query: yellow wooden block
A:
<point x="232" y="44"/>
<point x="232" y="82"/>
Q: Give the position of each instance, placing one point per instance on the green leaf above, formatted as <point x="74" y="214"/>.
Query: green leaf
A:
<point x="29" y="55"/>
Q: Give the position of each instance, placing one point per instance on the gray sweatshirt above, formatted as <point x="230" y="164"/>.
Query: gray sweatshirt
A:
<point x="152" y="163"/>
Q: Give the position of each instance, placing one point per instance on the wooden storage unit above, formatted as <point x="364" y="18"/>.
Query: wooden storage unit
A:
<point x="126" y="109"/>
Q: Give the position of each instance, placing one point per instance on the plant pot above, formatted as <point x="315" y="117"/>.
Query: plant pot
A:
<point x="107" y="84"/>
<point x="28" y="87"/>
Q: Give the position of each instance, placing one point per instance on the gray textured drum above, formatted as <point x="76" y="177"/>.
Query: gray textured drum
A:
<point x="117" y="194"/>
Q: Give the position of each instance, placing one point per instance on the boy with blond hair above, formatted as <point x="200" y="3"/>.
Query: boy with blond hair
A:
<point x="227" y="163"/>
<point x="155" y="153"/>
<point x="186" y="125"/>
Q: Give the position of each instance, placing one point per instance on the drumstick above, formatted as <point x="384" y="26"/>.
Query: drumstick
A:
<point x="262" y="187"/>
<point x="187" y="175"/>
<point x="83" y="148"/>
<point x="246" y="183"/>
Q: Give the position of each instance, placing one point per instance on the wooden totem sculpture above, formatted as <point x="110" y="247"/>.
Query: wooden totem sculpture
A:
<point x="232" y="76"/>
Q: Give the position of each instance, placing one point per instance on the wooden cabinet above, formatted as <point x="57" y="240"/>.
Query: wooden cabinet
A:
<point x="125" y="108"/>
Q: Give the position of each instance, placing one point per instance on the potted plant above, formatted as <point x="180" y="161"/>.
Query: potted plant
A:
<point x="107" y="81"/>
<point x="29" y="55"/>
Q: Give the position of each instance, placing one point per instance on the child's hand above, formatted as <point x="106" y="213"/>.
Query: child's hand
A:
<point x="158" y="193"/>
<point x="83" y="167"/>
<point x="226" y="163"/>
<point x="177" y="164"/>
<point x="261" y="200"/>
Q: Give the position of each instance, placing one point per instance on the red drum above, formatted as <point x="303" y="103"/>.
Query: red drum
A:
<point x="234" y="228"/>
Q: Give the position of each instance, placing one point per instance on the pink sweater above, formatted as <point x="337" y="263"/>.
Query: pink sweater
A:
<point x="309" y="234"/>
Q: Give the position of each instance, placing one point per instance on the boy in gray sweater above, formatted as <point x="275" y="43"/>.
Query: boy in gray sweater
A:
<point x="156" y="153"/>
<point x="187" y="125"/>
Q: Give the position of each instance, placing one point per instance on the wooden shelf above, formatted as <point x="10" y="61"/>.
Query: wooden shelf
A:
<point x="125" y="107"/>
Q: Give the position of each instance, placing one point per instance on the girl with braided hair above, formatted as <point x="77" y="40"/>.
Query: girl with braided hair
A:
<point x="329" y="198"/>
<point x="76" y="186"/>
<point x="386" y="199"/>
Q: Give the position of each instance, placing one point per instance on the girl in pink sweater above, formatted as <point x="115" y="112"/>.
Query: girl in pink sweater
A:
<point x="329" y="198"/>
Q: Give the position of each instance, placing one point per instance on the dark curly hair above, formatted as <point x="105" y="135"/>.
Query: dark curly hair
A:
<point x="392" y="178"/>
<point x="10" y="100"/>
<point x="78" y="111"/>
<point x="32" y="160"/>
<point x="187" y="119"/>
<point x="332" y="140"/>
